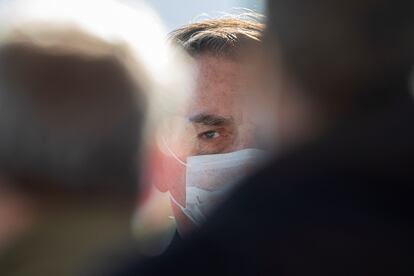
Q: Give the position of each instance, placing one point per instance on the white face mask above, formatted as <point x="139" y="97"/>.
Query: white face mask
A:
<point x="209" y="178"/>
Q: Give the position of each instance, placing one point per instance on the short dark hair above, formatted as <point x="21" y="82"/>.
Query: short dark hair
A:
<point x="221" y="36"/>
<point x="69" y="121"/>
<point x="339" y="46"/>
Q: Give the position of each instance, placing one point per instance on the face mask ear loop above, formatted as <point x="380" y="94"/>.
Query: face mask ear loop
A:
<point x="186" y="212"/>
<point x="173" y="153"/>
<point x="176" y="202"/>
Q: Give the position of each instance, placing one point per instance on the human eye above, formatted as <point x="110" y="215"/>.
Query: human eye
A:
<point x="209" y="135"/>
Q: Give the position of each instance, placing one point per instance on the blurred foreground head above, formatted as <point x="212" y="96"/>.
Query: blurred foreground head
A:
<point x="70" y="120"/>
<point x="344" y="57"/>
<point x="75" y="91"/>
<point x="77" y="95"/>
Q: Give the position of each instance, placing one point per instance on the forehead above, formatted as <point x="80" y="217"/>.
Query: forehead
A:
<point x="219" y="85"/>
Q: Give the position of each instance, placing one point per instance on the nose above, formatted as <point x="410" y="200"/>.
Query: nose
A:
<point x="246" y="138"/>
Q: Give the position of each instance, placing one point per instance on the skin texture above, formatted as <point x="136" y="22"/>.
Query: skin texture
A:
<point x="216" y="121"/>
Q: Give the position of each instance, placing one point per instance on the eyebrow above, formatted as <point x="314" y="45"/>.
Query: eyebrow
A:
<point x="211" y="120"/>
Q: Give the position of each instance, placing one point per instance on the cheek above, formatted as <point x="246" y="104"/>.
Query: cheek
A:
<point x="173" y="175"/>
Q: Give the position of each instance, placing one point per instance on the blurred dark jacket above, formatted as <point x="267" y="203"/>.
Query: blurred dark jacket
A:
<point x="64" y="242"/>
<point x="341" y="205"/>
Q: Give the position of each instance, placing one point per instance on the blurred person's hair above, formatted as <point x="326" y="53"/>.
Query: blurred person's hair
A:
<point x="68" y="116"/>
<point x="338" y="50"/>
<point x="75" y="95"/>
<point x="228" y="36"/>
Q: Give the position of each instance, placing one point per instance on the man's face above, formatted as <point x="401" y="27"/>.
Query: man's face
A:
<point x="216" y="121"/>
